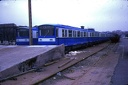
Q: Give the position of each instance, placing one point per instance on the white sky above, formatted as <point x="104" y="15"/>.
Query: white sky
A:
<point x="103" y="15"/>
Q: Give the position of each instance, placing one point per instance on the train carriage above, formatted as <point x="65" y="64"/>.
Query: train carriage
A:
<point x="23" y="35"/>
<point x="93" y="37"/>
<point x="57" y="34"/>
<point x="104" y="36"/>
<point x="97" y="40"/>
<point x="61" y="34"/>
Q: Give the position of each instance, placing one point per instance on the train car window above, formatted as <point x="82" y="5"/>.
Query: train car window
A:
<point x="87" y="34"/>
<point x="73" y="33"/>
<point x="98" y="34"/>
<point x="101" y="35"/>
<point x="22" y="32"/>
<point x="84" y="34"/>
<point x="57" y="32"/>
<point x="90" y="34"/>
<point x="78" y="34"/>
<point x="46" y="30"/>
<point x="70" y="33"/>
<point x="81" y="34"/>
<point x="93" y="35"/>
<point x="65" y="33"/>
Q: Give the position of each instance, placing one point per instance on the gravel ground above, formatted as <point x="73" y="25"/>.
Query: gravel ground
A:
<point x="78" y="72"/>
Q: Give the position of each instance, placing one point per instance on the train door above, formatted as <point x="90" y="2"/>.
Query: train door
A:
<point x="35" y="36"/>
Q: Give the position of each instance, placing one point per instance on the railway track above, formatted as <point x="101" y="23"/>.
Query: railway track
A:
<point x="54" y="67"/>
<point x="73" y="80"/>
<point x="109" y="48"/>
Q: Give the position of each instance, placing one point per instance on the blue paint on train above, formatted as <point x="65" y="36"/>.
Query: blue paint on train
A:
<point x="22" y="35"/>
<point x="61" y="34"/>
<point x="56" y="34"/>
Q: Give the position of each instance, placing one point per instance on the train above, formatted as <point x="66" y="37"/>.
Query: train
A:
<point x="22" y="37"/>
<point x="57" y="34"/>
<point x="115" y="38"/>
<point x="54" y="34"/>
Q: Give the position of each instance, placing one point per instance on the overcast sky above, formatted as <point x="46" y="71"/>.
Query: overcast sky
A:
<point x="103" y="15"/>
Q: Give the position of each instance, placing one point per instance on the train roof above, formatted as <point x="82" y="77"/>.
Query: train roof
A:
<point x="65" y="26"/>
<point x="23" y="27"/>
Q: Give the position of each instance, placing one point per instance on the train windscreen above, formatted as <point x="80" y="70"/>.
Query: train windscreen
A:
<point x="22" y="32"/>
<point x="46" y="30"/>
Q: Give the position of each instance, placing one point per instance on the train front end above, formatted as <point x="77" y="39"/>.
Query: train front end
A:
<point x="46" y="35"/>
<point x="22" y="35"/>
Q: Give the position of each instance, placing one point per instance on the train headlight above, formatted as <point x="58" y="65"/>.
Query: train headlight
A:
<point x="46" y="39"/>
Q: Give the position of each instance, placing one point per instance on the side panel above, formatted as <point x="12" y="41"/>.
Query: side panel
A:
<point x="72" y="41"/>
<point x="47" y="41"/>
<point x="22" y="41"/>
<point x="35" y="36"/>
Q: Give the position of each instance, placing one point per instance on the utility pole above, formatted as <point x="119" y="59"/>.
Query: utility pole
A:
<point x="30" y="22"/>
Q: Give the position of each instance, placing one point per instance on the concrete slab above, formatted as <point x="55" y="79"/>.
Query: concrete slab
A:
<point x="16" y="59"/>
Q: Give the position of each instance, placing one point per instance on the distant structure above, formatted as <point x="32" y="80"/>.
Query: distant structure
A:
<point x="119" y="32"/>
<point x="8" y="33"/>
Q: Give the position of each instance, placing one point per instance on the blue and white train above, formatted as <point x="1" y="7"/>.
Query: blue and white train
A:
<point x="23" y="35"/>
<point x="56" y="34"/>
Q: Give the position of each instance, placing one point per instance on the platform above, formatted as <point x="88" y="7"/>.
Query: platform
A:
<point x="17" y="59"/>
